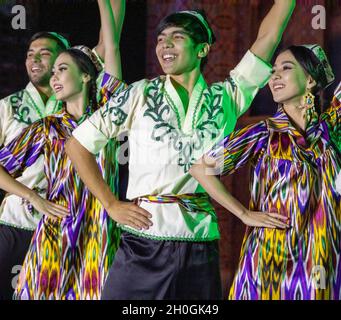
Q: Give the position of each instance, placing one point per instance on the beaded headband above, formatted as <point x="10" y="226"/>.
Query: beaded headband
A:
<point x="91" y="55"/>
<point x="202" y="20"/>
<point x="322" y="57"/>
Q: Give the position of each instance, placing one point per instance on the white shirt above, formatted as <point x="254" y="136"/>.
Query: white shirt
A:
<point x="17" y="111"/>
<point x="164" y="140"/>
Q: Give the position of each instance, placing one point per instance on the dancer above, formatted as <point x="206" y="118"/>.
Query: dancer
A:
<point x="295" y="160"/>
<point x="338" y="179"/>
<point x="171" y="251"/>
<point x="69" y="255"/>
<point x="17" y="111"/>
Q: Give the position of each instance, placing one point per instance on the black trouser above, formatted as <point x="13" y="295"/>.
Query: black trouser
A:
<point x="14" y="243"/>
<point x="150" y="269"/>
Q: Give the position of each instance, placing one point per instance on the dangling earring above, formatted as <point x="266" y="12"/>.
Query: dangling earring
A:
<point x="309" y="100"/>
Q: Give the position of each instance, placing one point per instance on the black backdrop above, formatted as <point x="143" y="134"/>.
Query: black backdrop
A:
<point x="79" y="21"/>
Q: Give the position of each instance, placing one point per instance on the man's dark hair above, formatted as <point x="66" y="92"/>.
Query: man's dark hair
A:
<point x="193" y="27"/>
<point x="53" y="36"/>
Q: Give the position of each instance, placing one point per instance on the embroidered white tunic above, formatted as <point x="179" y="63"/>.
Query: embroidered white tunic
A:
<point x="164" y="140"/>
<point x="17" y="111"/>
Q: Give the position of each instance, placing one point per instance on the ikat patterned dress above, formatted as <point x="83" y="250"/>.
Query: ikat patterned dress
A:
<point x="293" y="175"/>
<point x="68" y="258"/>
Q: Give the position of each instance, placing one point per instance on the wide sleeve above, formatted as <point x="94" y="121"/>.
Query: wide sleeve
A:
<point x="114" y="118"/>
<point x="24" y="150"/>
<point x="239" y="147"/>
<point x="5" y="120"/>
<point x="244" y="82"/>
<point x="9" y="128"/>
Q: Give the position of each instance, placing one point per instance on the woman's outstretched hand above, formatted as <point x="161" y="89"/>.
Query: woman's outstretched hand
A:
<point x="130" y="214"/>
<point x="265" y="220"/>
<point x="48" y="208"/>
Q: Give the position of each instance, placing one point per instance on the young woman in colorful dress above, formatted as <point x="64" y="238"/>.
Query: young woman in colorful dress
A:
<point x="295" y="160"/>
<point x="74" y="243"/>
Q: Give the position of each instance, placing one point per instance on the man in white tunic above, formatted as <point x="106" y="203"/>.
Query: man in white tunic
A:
<point x="169" y="244"/>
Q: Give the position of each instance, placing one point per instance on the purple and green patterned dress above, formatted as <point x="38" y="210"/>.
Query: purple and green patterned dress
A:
<point x="68" y="258"/>
<point x="292" y="174"/>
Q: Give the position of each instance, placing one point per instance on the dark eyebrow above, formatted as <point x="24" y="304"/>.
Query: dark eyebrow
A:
<point x="42" y="49"/>
<point x="181" y="32"/>
<point x="174" y="32"/>
<point x="284" y="62"/>
<point x="46" y="49"/>
<point x="288" y="62"/>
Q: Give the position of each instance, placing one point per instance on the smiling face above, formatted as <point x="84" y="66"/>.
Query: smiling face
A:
<point x="40" y="58"/>
<point x="289" y="82"/>
<point x="176" y="51"/>
<point x="67" y="80"/>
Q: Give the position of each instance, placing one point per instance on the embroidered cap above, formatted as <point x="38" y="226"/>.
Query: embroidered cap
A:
<point x="203" y="22"/>
<point x="325" y="65"/>
<point x="60" y="38"/>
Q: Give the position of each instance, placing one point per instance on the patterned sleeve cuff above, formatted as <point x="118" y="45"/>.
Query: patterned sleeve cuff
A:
<point x="111" y="83"/>
<point x="9" y="161"/>
<point x="110" y="86"/>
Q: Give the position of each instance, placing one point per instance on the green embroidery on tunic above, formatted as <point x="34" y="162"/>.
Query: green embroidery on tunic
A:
<point x="21" y="112"/>
<point x="118" y="116"/>
<point x="185" y="144"/>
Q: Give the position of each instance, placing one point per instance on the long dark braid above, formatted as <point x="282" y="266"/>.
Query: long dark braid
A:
<point x="93" y="95"/>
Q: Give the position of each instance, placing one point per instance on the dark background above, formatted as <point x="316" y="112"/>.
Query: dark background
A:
<point x="235" y="23"/>
<point x="79" y="21"/>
